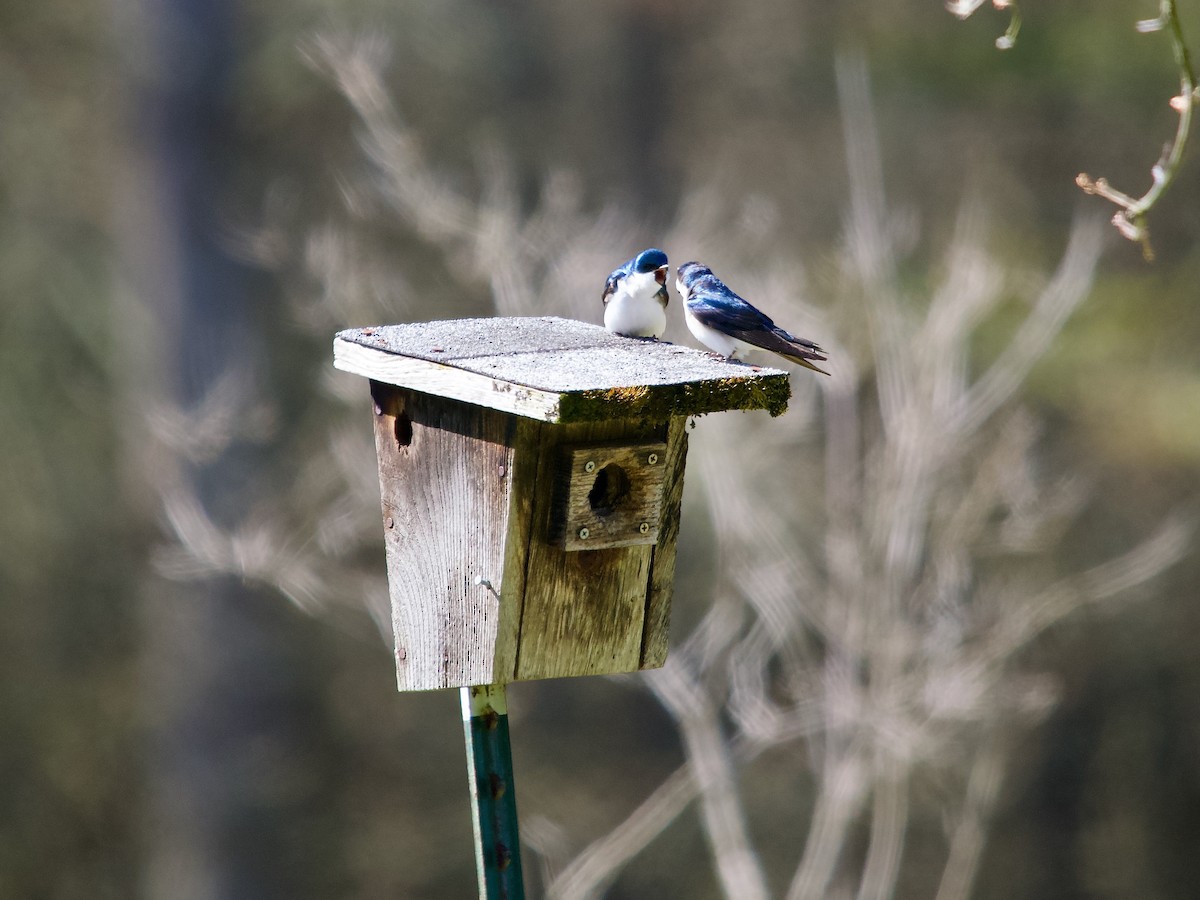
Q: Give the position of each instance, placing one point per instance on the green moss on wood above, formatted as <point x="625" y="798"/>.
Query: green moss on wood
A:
<point x="661" y="402"/>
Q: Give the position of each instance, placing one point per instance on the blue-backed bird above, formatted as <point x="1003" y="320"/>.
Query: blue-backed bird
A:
<point x="730" y="326"/>
<point x="635" y="296"/>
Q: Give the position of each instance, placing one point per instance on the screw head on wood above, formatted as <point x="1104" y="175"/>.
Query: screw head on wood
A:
<point x="584" y="534"/>
<point x="644" y="528"/>
<point x="589" y="466"/>
<point x="652" y="459"/>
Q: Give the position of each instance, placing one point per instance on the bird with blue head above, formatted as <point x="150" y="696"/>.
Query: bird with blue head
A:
<point x="730" y="326"/>
<point x="635" y="296"/>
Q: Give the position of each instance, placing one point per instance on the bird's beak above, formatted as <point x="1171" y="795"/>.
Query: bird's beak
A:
<point x="660" y="274"/>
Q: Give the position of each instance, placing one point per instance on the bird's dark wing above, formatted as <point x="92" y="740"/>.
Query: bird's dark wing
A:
<point x="663" y="295"/>
<point x="728" y="313"/>
<point x="610" y="286"/>
<point x="725" y="311"/>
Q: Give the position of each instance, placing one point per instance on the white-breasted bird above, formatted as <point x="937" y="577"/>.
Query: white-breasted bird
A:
<point x="635" y="296"/>
<point x="730" y="326"/>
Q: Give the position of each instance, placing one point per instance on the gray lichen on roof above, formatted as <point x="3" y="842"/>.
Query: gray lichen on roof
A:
<point x="575" y="371"/>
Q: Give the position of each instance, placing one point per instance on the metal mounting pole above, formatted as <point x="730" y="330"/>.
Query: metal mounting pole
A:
<point x="493" y="798"/>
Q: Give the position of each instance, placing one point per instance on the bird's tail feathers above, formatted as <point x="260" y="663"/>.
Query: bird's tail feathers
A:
<point x="803" y="361"/>
<point x="801" y="351"/>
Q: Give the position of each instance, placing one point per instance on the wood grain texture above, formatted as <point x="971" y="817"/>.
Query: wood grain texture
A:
<point x="656" y="630"/>
<point x="522" y="477"/>
<point x="611" y="495"/>
<point x="446" y="471"/>
<point x="584" y="612"/>
<point x="557" y="370"/>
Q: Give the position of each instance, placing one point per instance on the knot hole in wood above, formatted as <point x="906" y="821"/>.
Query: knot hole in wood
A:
<point x="402" y="429"/>
<point x="389" y="403"/>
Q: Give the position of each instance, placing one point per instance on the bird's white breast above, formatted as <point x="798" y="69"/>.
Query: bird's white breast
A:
<point x="634" y="310"/>
<point x="714" y="340"/>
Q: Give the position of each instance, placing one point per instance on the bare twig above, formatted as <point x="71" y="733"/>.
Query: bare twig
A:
<point x="965" y="8"/>
<point x="1130" y="220"/>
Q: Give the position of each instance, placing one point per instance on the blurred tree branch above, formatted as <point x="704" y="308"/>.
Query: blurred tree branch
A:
<point x="709" y="755"/>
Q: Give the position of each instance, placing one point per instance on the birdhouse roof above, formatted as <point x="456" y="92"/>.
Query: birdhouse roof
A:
<point x="556" y="370"/>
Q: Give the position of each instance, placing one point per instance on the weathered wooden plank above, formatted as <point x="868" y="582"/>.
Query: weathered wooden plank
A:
<point x="584" y="611"/>
<point x="446" y="381"/>
<point x="655" y="631"/>
<point x="522" y="475"/>
<point x="557" y="370"/>
<point x="445" y="476"/>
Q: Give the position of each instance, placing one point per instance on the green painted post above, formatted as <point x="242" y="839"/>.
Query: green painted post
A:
<point x="493" y="797"/>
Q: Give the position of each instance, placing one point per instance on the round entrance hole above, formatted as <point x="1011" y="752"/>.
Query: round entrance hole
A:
<point x="609" y="489"/>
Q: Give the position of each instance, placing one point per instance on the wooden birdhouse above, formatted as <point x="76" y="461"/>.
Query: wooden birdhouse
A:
<point x="531" y="471"/>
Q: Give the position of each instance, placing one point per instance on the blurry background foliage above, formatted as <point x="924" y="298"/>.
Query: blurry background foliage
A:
<point x="641" y="107"/>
